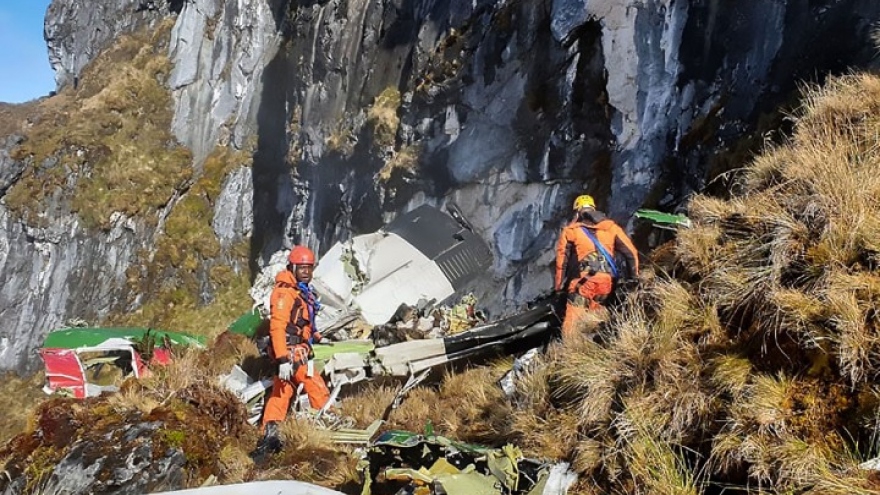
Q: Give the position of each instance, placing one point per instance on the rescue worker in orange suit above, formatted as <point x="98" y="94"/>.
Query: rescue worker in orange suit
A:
<point x="586" y="269"/>
<point x="292" y="332"/>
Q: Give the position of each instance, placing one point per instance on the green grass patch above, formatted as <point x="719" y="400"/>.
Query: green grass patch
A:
<point x="173" y="438"/>
<point x="112" y="133"/>
<point x="383" y="117"/>
<point x="176" y="306"/>
<point x="184" y="262"/>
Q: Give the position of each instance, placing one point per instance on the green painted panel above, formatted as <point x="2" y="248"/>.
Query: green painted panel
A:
<point x="247" y="323"/>
<point x="664" y="218"/>
<point x="72" y="338"/>
<point x="324" y="352"/>
<point x="403" y="439"/>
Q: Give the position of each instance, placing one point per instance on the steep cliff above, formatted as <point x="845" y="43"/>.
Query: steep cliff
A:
<point x="321" y="118"/>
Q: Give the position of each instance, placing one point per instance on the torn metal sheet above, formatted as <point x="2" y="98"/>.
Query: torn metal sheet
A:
<point x="395" y="273"/>
<point x="438" y="465"/>
<point x="424" y="254"/>
<point x="517" y="333"/>
<point x="447" y="239"/>
<point x="520" y="366"/>
<point x="251" y="392"/>
<point x="345" y="363"/>
<point x="356" y="436"/>
<point x="664" y="220"/>
<point x="76" y="358"/>
<point x="74" y="338"/>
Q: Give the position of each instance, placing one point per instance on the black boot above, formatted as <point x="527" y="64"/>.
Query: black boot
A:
<point x="269" y="444"/>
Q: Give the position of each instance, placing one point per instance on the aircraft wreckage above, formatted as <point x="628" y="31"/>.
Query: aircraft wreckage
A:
<point x="399" y="286"/>
<point x="394" y="304"/>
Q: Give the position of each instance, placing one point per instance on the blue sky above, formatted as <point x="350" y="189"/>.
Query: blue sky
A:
<point x="25" y="73"/>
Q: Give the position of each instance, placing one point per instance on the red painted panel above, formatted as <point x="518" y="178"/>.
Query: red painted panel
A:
<point x="63" y="371"/>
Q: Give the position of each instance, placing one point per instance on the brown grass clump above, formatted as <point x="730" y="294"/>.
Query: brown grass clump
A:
<point x="178" y="307"/>
<point x="383" y="118"/>
<point x="186" y="257"/>
<point x="369" y="404"/>
<point x="754" y="371"/>
<point x="468" y="406"/>
<point x="13" y="117"/>
<point x="309" y="455"/>
<point x="404" y="161"/>
<point x="18" y="398"/>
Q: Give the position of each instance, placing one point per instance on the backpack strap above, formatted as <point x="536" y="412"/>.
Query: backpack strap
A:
<point x="312" y="305"/>
<point x="601" y="249"/>
<point x="294" y="322"/>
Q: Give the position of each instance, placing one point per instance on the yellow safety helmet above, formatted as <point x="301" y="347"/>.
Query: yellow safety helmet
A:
<point x="584" y="201"/>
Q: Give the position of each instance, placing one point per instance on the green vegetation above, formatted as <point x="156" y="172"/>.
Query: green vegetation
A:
<point x="188" y="245"/>
<point x="383" y="118"/>
<point x="173" y="438"/>
<point x="112" y="134"/>
<point x="177" y="307"/>
<point x="404" y="161"/>
<point x="341" y="140"/>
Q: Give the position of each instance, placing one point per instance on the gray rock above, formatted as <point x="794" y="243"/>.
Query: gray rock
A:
<point x="566" y="16"/>
<point x="515" y="107"/>
<point x="233" y="213"/>
<point x="76" y="32"/>
<point x="217" y="74"/>
<point x="124" y="466"/>
<point x="48" y="275"/>
<point x="10" y="170"/>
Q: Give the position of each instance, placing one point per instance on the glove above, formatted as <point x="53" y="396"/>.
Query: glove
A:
<point x="285" y="371"/>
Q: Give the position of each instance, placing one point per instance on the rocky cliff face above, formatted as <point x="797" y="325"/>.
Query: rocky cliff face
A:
<point x="357" y="109"/>
<point x="76" y="32"/>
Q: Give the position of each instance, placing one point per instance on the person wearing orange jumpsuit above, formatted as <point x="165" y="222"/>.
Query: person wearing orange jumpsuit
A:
<point x="292" y="332"/>
<point x="583" y="272"/>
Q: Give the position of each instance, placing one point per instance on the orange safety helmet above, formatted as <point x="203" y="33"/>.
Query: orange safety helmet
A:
<point x="301" y="255"/>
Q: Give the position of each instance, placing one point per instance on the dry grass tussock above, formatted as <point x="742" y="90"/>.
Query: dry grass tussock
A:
<point x="754" y="368"/>
<point x="467" y="406"/>
<point x="403" y="161"/>
<point x="18" y="398"/>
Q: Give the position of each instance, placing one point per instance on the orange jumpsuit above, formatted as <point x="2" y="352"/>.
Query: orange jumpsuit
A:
<point x="290" y="329"/>
<point x="584" y="269"/>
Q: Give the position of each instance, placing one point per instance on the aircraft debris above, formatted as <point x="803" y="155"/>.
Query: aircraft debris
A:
<point x="424" y="254"/>
<point x="433" y="465"/>
<point x="86" y="362"/>
<point x="520" y="366"/>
